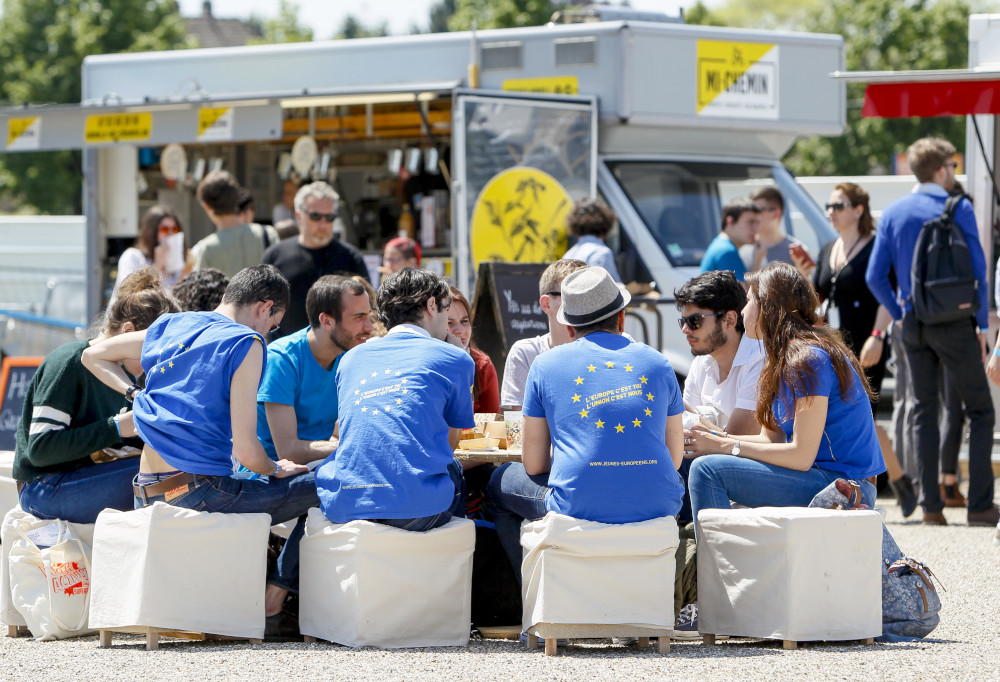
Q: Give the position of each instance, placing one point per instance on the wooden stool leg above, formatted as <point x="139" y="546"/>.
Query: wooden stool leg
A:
<point x="789" y="644"/>
<point x="664" y="645"/>
<point x="256" y="642"/>
<point x="309" y="639"/>
<point x="105" y="638"/>
<point x="12" y="631"/>
<point x="531" y="642"/>
<point x="152" y="640"/>
<point x="643" y="642"/>
<point x="550" y="646"/>
<point x="708" y="640"/>
<point x="870" y="640"/>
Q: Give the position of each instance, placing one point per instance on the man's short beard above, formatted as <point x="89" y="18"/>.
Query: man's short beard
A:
<point x="715" y="341"/>
<point x="344" y="342"/>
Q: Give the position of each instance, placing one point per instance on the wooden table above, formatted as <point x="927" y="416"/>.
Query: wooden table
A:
<point x="488" y="456"/>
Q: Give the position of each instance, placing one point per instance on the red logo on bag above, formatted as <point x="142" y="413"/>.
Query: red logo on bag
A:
<point x="70" y="578"/>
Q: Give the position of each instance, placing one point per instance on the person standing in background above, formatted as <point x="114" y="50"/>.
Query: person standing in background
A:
<point x="313" y="254"/>
<point x="590" y="221"/>
<point x="153" y="248"/>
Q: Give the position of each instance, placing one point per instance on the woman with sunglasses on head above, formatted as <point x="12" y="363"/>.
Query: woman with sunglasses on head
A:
<point x="848" y="303"/>
<point x="813" y="403"/>
<point x="156" y="246"/>
<point x="486" y="389"/>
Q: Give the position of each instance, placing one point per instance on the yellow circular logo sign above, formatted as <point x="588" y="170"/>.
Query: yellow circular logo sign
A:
<point x="520" y="216"/>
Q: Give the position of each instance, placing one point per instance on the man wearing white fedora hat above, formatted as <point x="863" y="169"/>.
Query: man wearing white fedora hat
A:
<point x="602" y="435"/>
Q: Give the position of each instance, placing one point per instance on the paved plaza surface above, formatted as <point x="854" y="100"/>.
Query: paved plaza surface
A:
<point x="966" y="644"/>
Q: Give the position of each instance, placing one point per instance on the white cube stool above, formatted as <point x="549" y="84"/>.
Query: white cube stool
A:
<point x="9" y="615"/>
<point x="165" y="570"/>
<point x="790" y="573"/>
<point x="368" y="584"/>
<point x="583" y="579"/>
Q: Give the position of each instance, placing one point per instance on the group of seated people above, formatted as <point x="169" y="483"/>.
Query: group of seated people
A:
<point x="366" y="428"/>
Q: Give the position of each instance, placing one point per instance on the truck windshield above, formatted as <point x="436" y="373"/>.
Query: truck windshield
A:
<point x="681" y="202"/>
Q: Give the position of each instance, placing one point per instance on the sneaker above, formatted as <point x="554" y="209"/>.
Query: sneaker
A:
<point x="282" y="627"/>
<point x="541" y="642"/>
<point x="687" y="623"/>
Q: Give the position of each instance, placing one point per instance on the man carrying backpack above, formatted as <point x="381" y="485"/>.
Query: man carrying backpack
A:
<point x="947" y="326"/>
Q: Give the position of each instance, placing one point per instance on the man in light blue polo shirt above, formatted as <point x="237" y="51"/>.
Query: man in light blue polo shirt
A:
<point x="740" y="222"/>
<point x="297" y="399"/>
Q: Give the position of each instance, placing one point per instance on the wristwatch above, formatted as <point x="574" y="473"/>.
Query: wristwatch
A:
<point x="736" y="450"/>
<point x="131" y="391"/>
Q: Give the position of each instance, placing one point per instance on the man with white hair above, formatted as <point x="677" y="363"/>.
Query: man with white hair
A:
<point x="313" y="254"/>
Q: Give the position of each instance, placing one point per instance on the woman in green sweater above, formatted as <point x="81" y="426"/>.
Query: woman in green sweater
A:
<point x="76" y="441"/>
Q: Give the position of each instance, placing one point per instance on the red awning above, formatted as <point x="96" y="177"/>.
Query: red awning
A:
<point x="932" y="98"/>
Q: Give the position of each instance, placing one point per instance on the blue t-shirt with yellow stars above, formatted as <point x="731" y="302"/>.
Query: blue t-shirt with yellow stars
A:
<point x="606" y="401"/>
<point x="183" y="412"/>
<point x="398" y="396"/>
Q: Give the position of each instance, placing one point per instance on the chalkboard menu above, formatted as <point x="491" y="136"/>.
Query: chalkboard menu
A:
<point x="506" y="309"/>
<point x="15" y="376"/>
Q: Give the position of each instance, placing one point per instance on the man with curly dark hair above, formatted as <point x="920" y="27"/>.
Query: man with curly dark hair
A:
<point x="403" y="400"/>
<point x="590" y="221"/>
<point x="201" y="290"/>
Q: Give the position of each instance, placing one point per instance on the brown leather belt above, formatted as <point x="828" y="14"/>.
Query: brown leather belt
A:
<point x="165" y="486"/>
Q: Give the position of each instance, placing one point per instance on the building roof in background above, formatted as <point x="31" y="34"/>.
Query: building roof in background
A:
<point x="212" y="31"/>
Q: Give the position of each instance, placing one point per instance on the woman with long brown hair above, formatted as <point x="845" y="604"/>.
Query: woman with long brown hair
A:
<point x="486" y="390"/>
<point x="813" y="403"/>
<point x="153" y="248"/>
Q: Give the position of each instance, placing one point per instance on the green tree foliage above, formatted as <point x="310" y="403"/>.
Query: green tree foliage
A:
<point x="441" y="12"/>
<point x="42" y="46"/>
<point x="284" y="27"/>
<point x="501" y="13"/>
<point x="879" y="35"/>
<point x="886" y="35"/>
<point x="352" y="27"/>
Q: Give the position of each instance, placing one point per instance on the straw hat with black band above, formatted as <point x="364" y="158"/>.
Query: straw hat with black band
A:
<point x="590" y="295"/>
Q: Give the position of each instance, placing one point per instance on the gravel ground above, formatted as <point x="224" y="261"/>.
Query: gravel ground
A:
<point x="966" y="645"/>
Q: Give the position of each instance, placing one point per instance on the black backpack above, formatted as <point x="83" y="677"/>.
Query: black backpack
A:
<point x="943" y="281"/>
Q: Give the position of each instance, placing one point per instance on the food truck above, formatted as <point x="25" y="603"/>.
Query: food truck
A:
<point x="477" y="142"/>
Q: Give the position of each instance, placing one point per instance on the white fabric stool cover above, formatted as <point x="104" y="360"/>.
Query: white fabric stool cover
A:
<point x="790" y="573"/>
<point x="367" y="584"/>
<point x="8" y="614"/>
<point x="178" y="569"/>
<point x="584" y="573"/>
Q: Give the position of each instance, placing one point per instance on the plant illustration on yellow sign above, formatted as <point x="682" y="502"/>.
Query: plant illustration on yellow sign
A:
<point x="520" y="216"/>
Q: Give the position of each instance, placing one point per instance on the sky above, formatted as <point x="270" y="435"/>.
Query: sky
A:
<point x="325" y="16"/>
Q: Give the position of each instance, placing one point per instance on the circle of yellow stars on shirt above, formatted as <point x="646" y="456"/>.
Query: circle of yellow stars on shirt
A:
<point x="390" y="401"/>
<point x="619" y="428"/>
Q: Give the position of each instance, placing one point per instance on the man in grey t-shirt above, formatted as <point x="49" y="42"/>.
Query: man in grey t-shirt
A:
<point x="524" y="352"/>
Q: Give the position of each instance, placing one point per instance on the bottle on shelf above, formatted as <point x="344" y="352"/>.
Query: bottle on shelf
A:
<point x="406" y="226"/>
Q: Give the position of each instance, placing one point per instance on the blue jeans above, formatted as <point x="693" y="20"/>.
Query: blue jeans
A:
<point x="513" y="497"/>
<point x="425" y="523"/>
<point x="79" y="496"/>
<point x="283" y="498"/>
<point x="717" y="479"/>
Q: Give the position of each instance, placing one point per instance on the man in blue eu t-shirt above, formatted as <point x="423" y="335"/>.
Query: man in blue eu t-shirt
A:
<point x="602" y="435"/>
<point x="740" y="222"/>
<point x="403" y="400"/>
<point x="297" y="398"/>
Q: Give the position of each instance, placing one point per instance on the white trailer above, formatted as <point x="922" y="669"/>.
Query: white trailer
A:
<point x="666" y="122"/>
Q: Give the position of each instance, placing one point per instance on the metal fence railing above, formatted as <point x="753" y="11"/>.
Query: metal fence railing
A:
<point x="40" y="309"/>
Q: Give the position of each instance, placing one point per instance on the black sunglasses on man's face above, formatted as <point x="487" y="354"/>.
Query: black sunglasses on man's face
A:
<point x="694" y="321"/>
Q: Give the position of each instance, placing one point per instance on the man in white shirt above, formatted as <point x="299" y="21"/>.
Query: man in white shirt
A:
<point x="721" y="386"/>
<point x="524" y="352"/>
